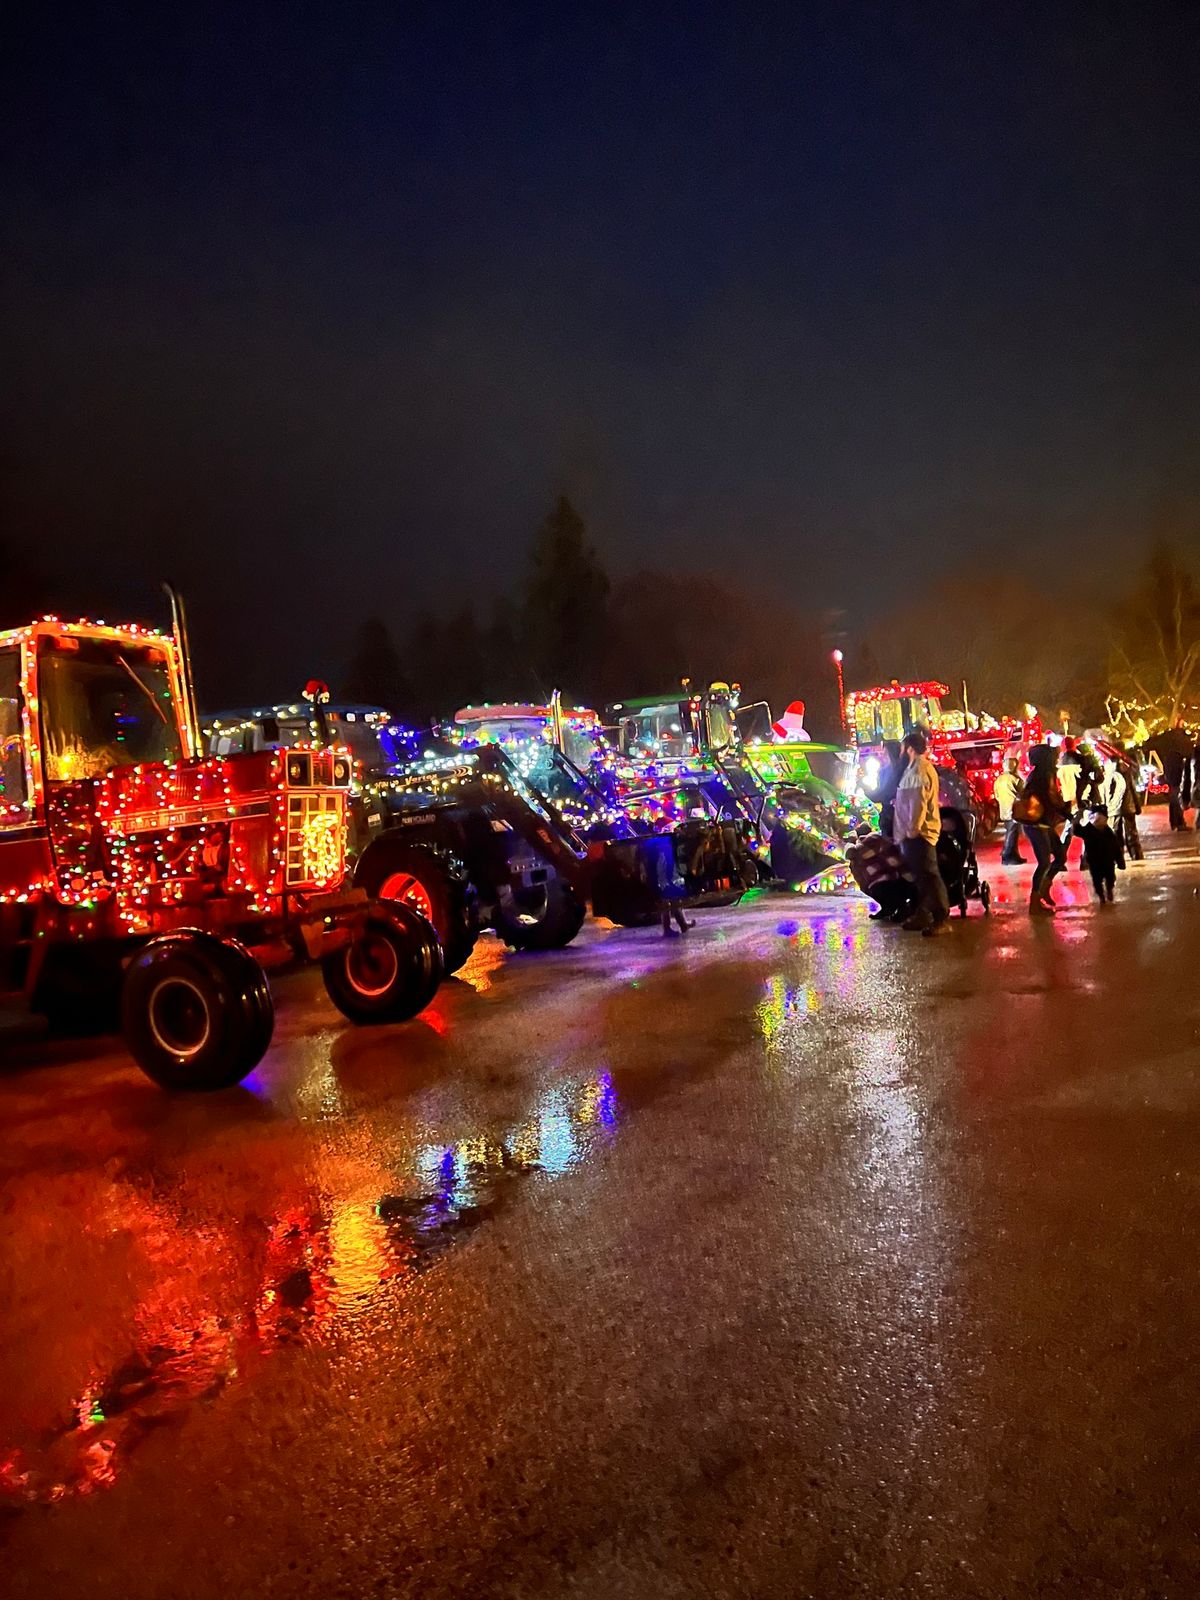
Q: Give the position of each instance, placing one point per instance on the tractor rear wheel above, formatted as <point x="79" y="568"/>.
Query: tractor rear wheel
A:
<point x="390" y="972"/>
<point x="196" y="1012"/>
<point x="431" y="881"/>
<point x="546" y="918"/>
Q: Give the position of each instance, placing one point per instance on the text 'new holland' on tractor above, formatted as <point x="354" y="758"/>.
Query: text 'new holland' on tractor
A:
<point x="140" y="877"/>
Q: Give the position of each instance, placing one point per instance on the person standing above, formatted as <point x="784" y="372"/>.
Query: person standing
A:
<point x="1102" y="845"/>
<point x="1043" y="812"/>
<point x="884" y="792"/>
<point x="918" y="826"/>
<point x="1070" y="773"/>
<point x="1112" y="804"/>
<point x="1174" y="751"/>
<point x="1008" y="787"/>
<point x="1130" y="806"/>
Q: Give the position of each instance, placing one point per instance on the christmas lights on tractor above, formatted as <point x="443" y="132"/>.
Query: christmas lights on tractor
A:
<point x="143" y="881"/>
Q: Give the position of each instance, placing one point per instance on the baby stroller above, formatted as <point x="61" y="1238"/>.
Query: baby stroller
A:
<point x="957" y="863"/>
<point x="878" y="869"/>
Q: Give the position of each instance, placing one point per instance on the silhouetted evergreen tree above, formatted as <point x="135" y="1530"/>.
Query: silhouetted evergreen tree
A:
<point x="376" y="675"/>
<point x="463" y="679"/>
<point x="504" y="663"/>
<point x="565" y="608"/>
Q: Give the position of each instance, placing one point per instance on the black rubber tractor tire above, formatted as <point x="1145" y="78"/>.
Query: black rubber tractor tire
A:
<point x="256" y="997"/>
<point x="430" y="880"/>
<point x="391" y="972"/>
<point x="196" y="1011"/>
<point x="553" y="926"/>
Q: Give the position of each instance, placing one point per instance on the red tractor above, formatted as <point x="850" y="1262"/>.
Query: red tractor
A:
<point x="142" y="881"/>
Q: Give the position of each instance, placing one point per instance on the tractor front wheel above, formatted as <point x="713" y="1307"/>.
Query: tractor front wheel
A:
<point x="546" y="918"/>
<point x="196" y="1012"/>
<point x="390" y="972"/>
<point x="432" y="882"/>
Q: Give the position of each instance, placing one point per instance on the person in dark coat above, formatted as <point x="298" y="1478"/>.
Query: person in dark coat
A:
<point x="1174" y="751"/>
<point x="884" y="792"/>
<point x="1130" y="806"/>
<point x="1043" y="815"/>
<point x="1103" y="847"/>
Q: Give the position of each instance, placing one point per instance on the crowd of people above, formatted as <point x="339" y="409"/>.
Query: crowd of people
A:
<point x="1069" y="793"/>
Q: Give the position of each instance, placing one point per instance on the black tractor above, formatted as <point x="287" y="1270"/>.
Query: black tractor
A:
<point x="472" y="842"/>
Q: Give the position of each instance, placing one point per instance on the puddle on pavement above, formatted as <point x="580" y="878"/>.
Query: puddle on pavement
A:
<point x="318" y="1271"/>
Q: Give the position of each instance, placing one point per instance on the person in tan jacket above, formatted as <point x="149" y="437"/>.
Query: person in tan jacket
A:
<point x="918" y="826"/>
<point x="1008" y="787"/>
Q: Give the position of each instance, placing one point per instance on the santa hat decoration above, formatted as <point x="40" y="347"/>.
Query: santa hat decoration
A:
<point x="791" y="722"/>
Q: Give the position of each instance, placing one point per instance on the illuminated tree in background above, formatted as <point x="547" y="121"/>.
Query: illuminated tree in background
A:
<point x="1154" y="668"/>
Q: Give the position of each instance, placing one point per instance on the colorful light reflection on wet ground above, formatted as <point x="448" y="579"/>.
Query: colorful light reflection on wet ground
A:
<point x="840" y="1182"/>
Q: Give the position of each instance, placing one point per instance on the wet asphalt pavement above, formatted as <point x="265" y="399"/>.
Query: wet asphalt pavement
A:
<point x="804" y="1257"/>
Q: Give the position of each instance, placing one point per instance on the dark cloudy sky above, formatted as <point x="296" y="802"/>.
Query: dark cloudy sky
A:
<point x="317" y="307"/>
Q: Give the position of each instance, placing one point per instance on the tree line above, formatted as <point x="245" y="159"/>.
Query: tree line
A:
<point x="571" y="625"/>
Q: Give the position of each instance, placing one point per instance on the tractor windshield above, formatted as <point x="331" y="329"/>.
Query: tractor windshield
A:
<point x="659" y="732"/>
<point x="104" y="704"/>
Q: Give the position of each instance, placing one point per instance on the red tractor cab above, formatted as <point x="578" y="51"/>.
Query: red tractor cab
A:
<point x="979" y="755"/>
<point x="142" y="880"/>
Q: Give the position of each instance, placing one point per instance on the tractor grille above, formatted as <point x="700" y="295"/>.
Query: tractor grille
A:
<point x="315" y="855"/>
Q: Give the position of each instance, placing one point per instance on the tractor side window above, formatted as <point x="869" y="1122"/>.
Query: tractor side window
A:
<point x="720" y="725"/>
<point x="579" y="747"/>
<point x="13" y="795"/>
<point x="103" y="706"/>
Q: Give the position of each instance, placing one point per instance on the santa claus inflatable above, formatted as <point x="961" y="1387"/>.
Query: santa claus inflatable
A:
<point x="790" y="727"/>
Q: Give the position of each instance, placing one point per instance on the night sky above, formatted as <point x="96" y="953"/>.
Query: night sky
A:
<point x="315" y="309"/>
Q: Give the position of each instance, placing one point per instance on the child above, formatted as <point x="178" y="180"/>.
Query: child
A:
<point x="1103" y="848"/>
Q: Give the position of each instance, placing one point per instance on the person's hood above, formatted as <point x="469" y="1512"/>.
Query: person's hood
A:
<point x="1043" y="759"/>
